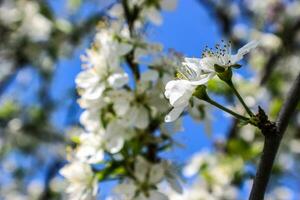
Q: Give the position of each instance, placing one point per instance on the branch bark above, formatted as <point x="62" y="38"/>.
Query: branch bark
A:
<point x="273" y="134"/>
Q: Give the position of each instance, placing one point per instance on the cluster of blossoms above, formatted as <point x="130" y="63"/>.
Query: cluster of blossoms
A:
<point x="123" y="120"/>
<point x="20" y="20"/>
<point x="25" y="17"/>
<point x="198" y="71"/>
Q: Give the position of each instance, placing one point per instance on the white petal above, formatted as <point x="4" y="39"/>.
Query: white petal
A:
<point x="141" y="168"/>
<point x="156" y="173"/>
<point x="207" y="63"/>
<point x="118" y="80"/>
<point x="93" y="93"/>
<point x="175" y="185"/>
<point x="244" y="50"/>
<point x="150" y="75"/>
<point x="114" y="144"/>
<point x="155" y="195"/>
<point x="114" y="137"/>
<point x="179" y="92"/>
<point x="90" y="120"/>
<point x="97" y="157"/>
<point x="86" y="79"/>
<point x="203" y="80"/>
<point x="142" y="119"/>
<point x="77" y="172"/>
<point x="131" y="117"/>
<point x="121" y="106"/>
<point x="174" y="114"/>
<point x="248" y="47"/>
<point x="188" y="60"/>
<point x="90" y="154"/>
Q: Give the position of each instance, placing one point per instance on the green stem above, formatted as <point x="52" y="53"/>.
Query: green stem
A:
<point x="236" y="115"/>
<point x="230" y="84"/>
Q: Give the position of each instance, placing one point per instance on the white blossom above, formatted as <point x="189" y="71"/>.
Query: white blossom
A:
<point x="179" y="92"/>
<point x="118" y="80"/>
<point x="194" y="72"/>
<point x="137" y="116"/>
<point x="222" y="56"/>
<point x="82" y="183"/>
<point x="115" y="136"/>
<point x="90" y="120"/>
<point x="34" y="25"/>
<point x="90" y="149"/>
<point x="145" y="173"/>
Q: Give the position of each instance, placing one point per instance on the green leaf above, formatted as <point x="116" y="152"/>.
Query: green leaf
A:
<point x="236" y="66"/>
<point x="219" y="68"/>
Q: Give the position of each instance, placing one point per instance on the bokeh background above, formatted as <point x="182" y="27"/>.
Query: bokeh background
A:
<point x="38" y="96"/>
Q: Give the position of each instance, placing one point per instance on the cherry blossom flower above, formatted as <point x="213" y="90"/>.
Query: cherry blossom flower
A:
<point x="82" y="183"/>
<point x="90" y="149"/>
<point x="198" y="71"/>
<point x="222" y="56"/>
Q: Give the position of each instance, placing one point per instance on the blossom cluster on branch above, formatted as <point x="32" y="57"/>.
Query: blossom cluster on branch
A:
<point x="123" y="120"/>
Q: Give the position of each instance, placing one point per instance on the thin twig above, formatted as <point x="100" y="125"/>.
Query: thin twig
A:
<point x="237" y="94"/>
<point x="272" y="142"/>
<point x="233" y="113"/>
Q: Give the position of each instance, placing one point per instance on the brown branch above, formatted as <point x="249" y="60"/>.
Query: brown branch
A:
<point x="273" y="134"/>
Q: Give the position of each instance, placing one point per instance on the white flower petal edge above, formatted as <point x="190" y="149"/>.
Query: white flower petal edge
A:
<point x="118" y="80"/>
<point x="174" y="114"/>
<point x="244" y="50"/>
<point x="204" y="80"/>
<point x="179" y="92"/>
<point x="82" y="183"/>
<point x="222" y="55"/>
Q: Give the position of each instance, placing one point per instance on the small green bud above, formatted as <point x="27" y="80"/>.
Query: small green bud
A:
<point x="219" y="68"/>
<point x="226" y="75"/>
<point x="200" y="92"/>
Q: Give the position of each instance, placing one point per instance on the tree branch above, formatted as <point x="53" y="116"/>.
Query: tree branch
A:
<point x="272" y="141"/>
